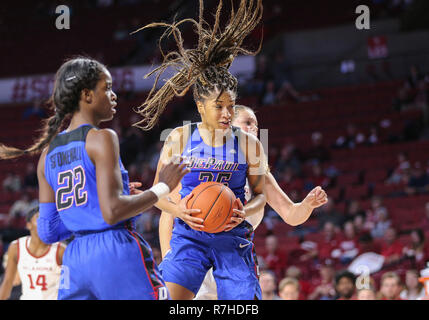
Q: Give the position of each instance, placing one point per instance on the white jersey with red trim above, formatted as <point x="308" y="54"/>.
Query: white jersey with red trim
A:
<point x="40" y="276"/>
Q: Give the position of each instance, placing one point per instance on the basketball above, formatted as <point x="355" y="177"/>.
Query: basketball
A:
<point x="216" y="202"/>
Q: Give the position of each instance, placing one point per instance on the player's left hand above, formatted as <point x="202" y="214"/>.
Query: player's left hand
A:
<point x="238" y="216"/>
<point x="316" y="198"/>
<point x="133" y="188"/>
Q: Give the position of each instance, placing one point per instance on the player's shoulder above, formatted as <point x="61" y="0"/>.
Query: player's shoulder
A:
<point x="102" y="137"/>
<point x="14" y="246"/>
<point x="15" y="242"/>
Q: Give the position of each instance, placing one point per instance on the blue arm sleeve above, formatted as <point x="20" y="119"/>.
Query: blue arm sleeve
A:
<point x="49" y="225"/>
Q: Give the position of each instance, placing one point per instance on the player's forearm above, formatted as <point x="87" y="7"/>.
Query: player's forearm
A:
<point x="168" y="206"/>
<point x="5" y="289"/>
<point x="292" y="213"/>
<point x="50" y="227"/>
<point x="165" y="231"/>
<point x="127" y="206"/>
<point x="255" y="205"/>
<point x="297" y="214"/>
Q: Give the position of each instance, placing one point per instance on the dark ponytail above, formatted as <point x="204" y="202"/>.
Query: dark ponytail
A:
<point x="71" y="78"/>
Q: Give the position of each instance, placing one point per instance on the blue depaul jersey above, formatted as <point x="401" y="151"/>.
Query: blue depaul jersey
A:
<point x="225" y="164"/>
<point x="71" y="174"/>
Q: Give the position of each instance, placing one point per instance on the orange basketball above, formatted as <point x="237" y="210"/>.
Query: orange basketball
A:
<point x="216" y="202"/>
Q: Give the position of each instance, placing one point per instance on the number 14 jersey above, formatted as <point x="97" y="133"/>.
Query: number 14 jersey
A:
<point x="40" y="276"/>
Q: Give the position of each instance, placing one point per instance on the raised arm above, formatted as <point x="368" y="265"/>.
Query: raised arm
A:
<point x="292" y="213"/>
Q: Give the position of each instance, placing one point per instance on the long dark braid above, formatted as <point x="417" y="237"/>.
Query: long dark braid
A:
<point x="71" y="78"/>
<point x="204" y="68"/>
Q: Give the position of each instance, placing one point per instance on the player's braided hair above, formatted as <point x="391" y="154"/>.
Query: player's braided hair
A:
<point x="71" y="78"/>
<point x="204" y="68"/>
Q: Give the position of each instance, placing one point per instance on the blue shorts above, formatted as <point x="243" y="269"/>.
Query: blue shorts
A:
<point x="116" y="264"/>
<point x="231" y="254"/>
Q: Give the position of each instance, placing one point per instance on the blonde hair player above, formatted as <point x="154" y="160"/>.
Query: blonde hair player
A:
<point x="38" y="265"/>
<point x="292" y="213"/>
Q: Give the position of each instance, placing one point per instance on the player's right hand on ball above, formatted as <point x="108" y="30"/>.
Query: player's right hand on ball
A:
<point x="186" y="214"/>
<point x="172" y="172"/>
<point x="239" y="215"/>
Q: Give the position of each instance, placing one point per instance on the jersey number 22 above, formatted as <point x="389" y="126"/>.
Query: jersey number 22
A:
<point x="74" y="182"/>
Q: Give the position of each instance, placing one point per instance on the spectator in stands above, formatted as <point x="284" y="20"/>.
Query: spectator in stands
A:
<point x="274" y="259"/>
<point x="390" y="286"/>
<point x="372" y="138"/>
<point x="354" y="209"/>
<point x="345" y="285"/>
<point x="418" y="181"/>
<point x="269" y="94"/>
<point x="304" y="285"/>
<point x="359" y="224"/>
<point x="366" y="293"/>
<point x="318" y="178"/>
<point x="382" y="223"/>
<point x="375" y="220"/>
<point x="366" y="243"/>
<point x="325" y="284"/>
<point x="282" y="82"/>
<point x="288" y="180"/>
<point x="289" y="289"/>
<point x="267" y="281"/>
<point x="417" y="250"/>
<point x="289" y="157"/>
<point x="391" y="248"/>
<point x="329" y="241"/>
<point x="348" y="247"/>
<point x="12" y="182"/>
<point x="351" y="139"/>
<point x="30" y="178"/>
<point x="21" y="206"/>
<point x="261" y="76"/>
<point x="400" y="172"/>
<point x="408" y="91"/>
<point x="413" y="289"/>
<point x="328" y="213"/>
<point x="318" y="152"/>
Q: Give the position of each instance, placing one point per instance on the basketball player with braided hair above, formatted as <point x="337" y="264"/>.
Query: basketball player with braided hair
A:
<point x="216" y="152"/>
<point x="84" y="191"/>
